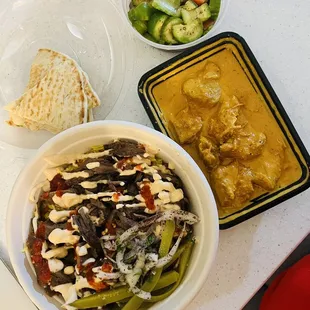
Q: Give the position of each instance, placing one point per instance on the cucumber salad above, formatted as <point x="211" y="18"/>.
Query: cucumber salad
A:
<point x="172" y="22"/>
<point x="111" y="228"/>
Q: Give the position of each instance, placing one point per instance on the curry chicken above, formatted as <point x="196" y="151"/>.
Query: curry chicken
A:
<point x="229" y="134"/>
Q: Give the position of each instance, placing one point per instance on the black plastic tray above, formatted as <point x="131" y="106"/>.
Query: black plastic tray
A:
<point x="253" y="71"/>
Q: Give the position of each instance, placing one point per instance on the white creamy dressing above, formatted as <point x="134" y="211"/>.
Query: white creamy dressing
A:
<point x="60" y="252"/>
<point x="137" y="160"/>
<point x="176" y="195"/>
<point x="55" y="265"/>
<point x="63" y="236"/>
<point x="73" y="175"/>
<point x="58" y="160"/>
<point x="156" y="177"/>
<point x="69" y="270"/>
<point x="69" y="200"/>
<point x="123" y="198"/>
<point x="164" y="197"/>
<point x="91" y="185"/>
<point x="81" y="251"/>
<point x="93" y="165"/>
<point x="50" y="173"/>
<point x="159" y="186"/>
<point x="127" y="172"/>
<point x="59" y="216"/>
<point x="89" y="261"/>
<point x="94" y="184"/>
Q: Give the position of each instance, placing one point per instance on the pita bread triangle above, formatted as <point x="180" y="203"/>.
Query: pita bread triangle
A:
<point x="56" y="103"/>
<point x="47" y="59"/>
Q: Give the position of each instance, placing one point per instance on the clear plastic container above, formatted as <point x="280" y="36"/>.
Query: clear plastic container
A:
<point x="224" y="6"/>
<point x="91" y="32"/>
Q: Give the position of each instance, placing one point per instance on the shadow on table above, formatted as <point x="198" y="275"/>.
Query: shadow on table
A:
<point x="231" y="265"/>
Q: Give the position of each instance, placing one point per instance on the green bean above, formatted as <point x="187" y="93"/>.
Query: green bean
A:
<point x="103" y="298"/>
<point x="166" y="239"/>
<point x="167" y="279"/>
<point x="121" y="293"/>
<point x="184" y="260"/>
<point x="175" y="257"/>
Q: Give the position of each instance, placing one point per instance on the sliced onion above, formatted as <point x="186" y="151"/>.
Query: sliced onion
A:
<point x="180" y="215"/>
<point x="110" y="245"/>
<point x="124" y="268"/>
<point x="141" y="294"/>
<point x="106" y="275"/>
<point x="131" y="231"/>
<point x="152" y="262"/>
<point x="133" y="278"/>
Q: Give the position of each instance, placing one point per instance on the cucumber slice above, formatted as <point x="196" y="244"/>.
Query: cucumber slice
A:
<point x="203" y="12"/>
<point x="143" y="11"/>
<point x="170" y="7"/>
<point x="215" y="6"/>
<point x="155" y="25"/>
<point x="188" y="33"/>
<point x="166" y="33"/>
<point x="188" y="16"/>
<point x="140" y="26"/>
<point x="190" y="5"/>
<point x="131" y="15"/>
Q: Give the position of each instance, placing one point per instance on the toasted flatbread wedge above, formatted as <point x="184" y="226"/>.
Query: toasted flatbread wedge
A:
<point x="47" y="59"/>
<point x="56" y="103"/>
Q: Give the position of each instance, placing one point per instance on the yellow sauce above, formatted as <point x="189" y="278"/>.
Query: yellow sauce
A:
<point x="171" y="100"/>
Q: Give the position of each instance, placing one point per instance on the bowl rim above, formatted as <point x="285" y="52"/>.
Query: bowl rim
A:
<point x="213" y="214"/>
<point x="218" y="22"/>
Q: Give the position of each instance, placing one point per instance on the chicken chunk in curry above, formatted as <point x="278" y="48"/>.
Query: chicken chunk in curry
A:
<point x="246" y="143"/>
<point x="232" y="184"/>
<point x="209" y="152"/>
<point x="267" y="168"/>
<point x="205" y="88"/>
<point x="224" y="125"/>
<point x="187" y="125"/>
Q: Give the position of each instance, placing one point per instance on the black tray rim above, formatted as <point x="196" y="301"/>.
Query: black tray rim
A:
<point x="274" y="97"/>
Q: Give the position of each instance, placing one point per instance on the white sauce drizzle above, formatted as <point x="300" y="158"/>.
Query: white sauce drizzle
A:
<point x="59" y="216"/>
<point x="69" y="270"/>
<point x="81" y="251"/>
<point x="69" y="200"/>
<point x="55" y="265"/>
<point x="89" y="261"/>
<point x="58" y="160"/>
<point x="72" y="175"/>
<point x="93" y="165"/>
<point x="63" y="236"/>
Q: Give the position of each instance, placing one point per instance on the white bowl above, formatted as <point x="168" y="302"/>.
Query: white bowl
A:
<point x="125" y="9"/>
<point x="79" y="139"/>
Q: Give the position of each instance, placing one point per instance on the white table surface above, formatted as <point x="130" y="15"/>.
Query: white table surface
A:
<point x="278" y="34"/>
